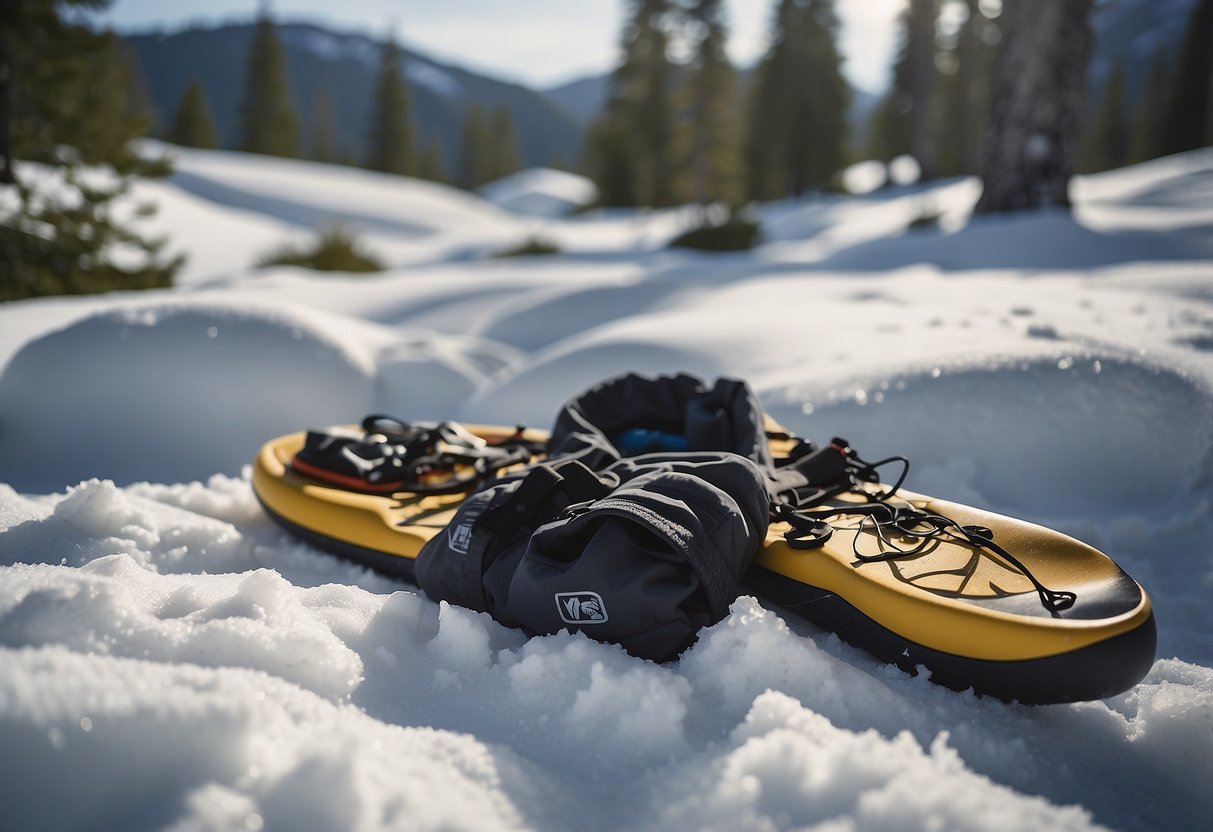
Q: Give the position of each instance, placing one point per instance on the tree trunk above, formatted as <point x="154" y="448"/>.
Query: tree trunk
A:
<point x="968" y="157"/>
<point x="1037" y="105"/>
<point x="7" y="177"/>
<point x="923" y="86"/>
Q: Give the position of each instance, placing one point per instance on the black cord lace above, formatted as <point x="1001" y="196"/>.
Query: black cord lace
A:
<point x="811" y="529"/>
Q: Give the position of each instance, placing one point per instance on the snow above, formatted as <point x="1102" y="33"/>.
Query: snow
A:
<point x="432" y="78"/>
<point x="170" y="659"/>
<point x="541" y="192"/>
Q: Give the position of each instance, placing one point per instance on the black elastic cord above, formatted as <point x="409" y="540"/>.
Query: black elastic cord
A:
<point x="879" y="519"/>
<point x="869" y="471"/>
<point x="810" y="526"/>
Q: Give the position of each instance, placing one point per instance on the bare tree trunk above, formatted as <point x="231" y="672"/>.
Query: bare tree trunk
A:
<point x="970" y="78"/>
<point x="1036" y="106"/>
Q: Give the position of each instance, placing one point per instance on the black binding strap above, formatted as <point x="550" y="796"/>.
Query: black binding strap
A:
<point x="423" y="458"/>
<point x="806" y="533"/>
<point x="530" y="505"/>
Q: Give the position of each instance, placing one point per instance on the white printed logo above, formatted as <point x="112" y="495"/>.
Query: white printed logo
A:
<point x="581" y="608"/>
<point x="460" y="537"/>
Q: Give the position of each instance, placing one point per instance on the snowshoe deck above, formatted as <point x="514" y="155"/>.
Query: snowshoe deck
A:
<point x="971" y="619"/>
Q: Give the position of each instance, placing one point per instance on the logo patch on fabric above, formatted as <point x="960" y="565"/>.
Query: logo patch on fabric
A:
<point x="460" y="537"/>
<point x="581" y="608"/>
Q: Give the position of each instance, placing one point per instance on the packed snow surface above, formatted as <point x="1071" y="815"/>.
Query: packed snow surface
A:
<point x="169" y="659"/>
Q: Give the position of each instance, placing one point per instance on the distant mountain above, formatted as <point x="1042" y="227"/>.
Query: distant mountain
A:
<point x="346" y="63"/>
<point x="584" y="98"/>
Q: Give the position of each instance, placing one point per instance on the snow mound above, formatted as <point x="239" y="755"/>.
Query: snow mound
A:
<point x="1040" y="240"/>
<point x="242" y="700"/>
<point x="173" y="392"/>
<point x="227" y="748"/>
<point x="314" y="195"/>
<point x="1042" y="435"/>
<point x="791" y="764"/>
<point x="541" y="192"/>
<point x="255" y="619"/>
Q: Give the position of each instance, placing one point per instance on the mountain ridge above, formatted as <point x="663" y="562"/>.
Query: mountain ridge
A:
<point x="346" y="62"/>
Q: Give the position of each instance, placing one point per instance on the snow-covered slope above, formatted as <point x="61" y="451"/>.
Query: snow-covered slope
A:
<point x="169" y="658"/>
<point x="541" y="192"/>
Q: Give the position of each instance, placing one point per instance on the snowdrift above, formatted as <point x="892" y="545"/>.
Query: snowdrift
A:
<point x="1056" y="368"/>
<point x="541" y="192"/>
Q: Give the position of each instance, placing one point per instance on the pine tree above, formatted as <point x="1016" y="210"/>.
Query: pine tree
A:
<point x="798" y="128"/>
<point x="432" y="165"/>
<point x="1188" y="119"/>
<point x="323" y="130"/>
<point x="610" y="160"/>
<point x="192" y="123"/>
<point x="966" y="69"/>
<point x="390" y="138"/>
<point x="635" y="138"/>
<point x="1107" y="142"/>
<point x="475" y="149"/>
<point x="8" y="67"/>
<point x="139" y="97"/>
<point x="709" y="140"/>
<point x="906" y="120"/>
<point x="65" y="103"/>
<point x="1147" y="140"/>
<point x="268" y="123"/>
<point x="504" y="145"/>
<point x="1037" y="105"/>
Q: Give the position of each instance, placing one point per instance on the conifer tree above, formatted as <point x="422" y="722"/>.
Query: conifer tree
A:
<point x="475" y="149"/>
<point x="192" y="123"/>
<point x="798" y="128"/>
<point x="1107" y="142"/>
<point x="1188" y="120"/>
<point x="323" y="127"/>
<point x="965" y="63"/>
<point x="8" y="65"/>
<point x="709" y="142"/>
<point x="503" y="145"/>
<point x="65" y="103"/>
<point x="139" y="97"/>
<point x="610" y="160"/>
<point x="390" y="138"/>
<point x="268" y="120"/>
<point x="1036" y="105"/>
<point x="634" y="140"/>
<point x="432" y="165"/>
<point x="1147" y="139"/>
<point x="906" y="120"/>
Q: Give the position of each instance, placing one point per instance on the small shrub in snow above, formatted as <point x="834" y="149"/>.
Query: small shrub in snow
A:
<point x="737" y="233"/>
<point x="335" y="250"/>
<point x="531" y="247"/>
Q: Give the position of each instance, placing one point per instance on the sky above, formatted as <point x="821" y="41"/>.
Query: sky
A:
<point x="541" y="43"/>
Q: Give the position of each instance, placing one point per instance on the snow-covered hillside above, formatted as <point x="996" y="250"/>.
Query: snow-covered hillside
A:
<point x="170" y="659"/>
